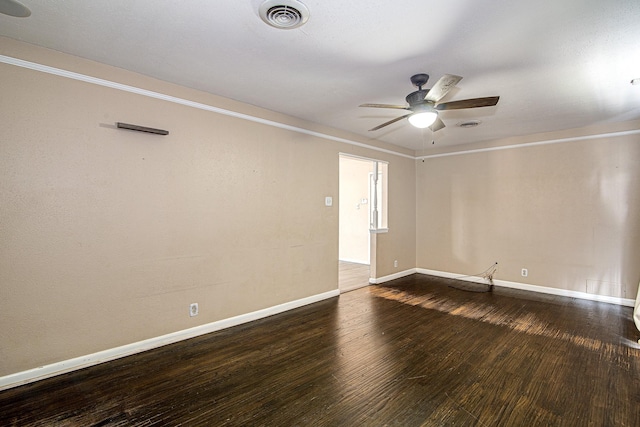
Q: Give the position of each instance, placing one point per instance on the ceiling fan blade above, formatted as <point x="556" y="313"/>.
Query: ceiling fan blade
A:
<point x="398" y="107"/>
<point x="437" y="125"/>
<point x="390" y="122"/>
<point x="468" y="103"/>
<point x="14" y="8"/>
<point x="442" y="86"/>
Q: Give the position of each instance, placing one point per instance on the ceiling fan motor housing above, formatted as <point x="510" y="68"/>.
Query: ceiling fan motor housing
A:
<point x="417" y="97"/>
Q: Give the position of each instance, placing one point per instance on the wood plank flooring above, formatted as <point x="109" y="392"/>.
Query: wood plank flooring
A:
<point x="352" y="275"/>
<point x="411" y="352"/>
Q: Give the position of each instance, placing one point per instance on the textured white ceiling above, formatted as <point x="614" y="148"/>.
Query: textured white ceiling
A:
<point x="554" y="64"/>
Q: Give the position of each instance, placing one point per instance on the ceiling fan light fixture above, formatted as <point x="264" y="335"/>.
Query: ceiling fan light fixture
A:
<point x="422" y="108"/>
<point x="423" y="119"/>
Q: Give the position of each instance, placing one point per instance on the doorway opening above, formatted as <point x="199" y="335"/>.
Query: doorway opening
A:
<point x="362" y="214"/>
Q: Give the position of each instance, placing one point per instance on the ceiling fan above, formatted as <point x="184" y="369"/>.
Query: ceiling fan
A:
<point x="424" y="106"/>
<point x="14" y="8"/>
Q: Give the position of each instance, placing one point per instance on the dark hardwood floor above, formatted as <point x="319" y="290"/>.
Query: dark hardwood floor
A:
<point x="412" y="352"/>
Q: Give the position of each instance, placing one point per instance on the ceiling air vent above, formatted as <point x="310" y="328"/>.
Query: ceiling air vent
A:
<point x="284" y="14"/>
<point x="469" y="124"/>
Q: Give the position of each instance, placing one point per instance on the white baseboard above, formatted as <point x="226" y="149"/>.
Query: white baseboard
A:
<point x="533" y="288"/>
<point x="42" y="372"/>
<point x="376" y="281"/>
<point x="393" y="276"/>
<point x="355" y="261"/>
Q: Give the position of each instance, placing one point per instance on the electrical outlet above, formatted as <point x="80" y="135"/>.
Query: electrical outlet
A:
<point x="193" y="309"/>
<point x="524" y="272"/>
<point x="395" y="263"/>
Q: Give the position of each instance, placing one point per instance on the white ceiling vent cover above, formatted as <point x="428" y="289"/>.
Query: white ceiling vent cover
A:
<point x="469" y="124"/>
<point x="284" y="14"/>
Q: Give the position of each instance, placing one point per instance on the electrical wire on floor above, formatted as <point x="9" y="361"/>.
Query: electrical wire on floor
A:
<point x="477" y="287"/>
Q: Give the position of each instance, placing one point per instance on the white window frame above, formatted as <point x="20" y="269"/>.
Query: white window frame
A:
<point x="378" y="209"/>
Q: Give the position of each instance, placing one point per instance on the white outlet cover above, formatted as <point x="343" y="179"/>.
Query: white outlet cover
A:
<point x="193" y="309"/>
<point x="328" y="201"/>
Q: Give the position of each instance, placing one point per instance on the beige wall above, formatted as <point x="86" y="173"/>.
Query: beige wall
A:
<point x="108" y="235"/>
<point x="568" y="212"/>
<point x="400" y="242"/>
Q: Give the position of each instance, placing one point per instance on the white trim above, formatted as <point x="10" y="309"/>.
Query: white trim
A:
<point x="132" y="89"/>
<point x="533" y="144"/>
<point x="378" y="230"/>
<point x="378" y="280"/>
<point x="368" y="159"/>
<point x="47" y="371"/>
<point x="532" y="288"/>
<point x="355" y="261"/>
<point x="447" y="275"/>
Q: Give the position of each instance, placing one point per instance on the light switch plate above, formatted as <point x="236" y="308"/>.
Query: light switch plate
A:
<point x="328" y="201"/>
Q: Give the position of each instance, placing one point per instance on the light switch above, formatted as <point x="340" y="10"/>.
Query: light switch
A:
<point x="328" y="201"/>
